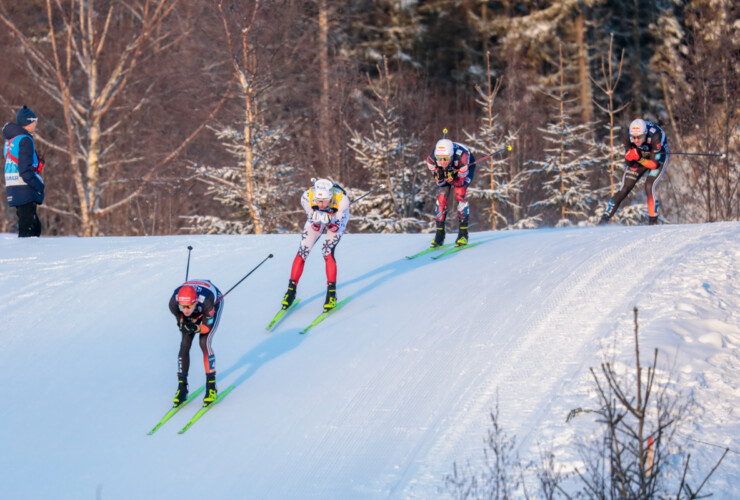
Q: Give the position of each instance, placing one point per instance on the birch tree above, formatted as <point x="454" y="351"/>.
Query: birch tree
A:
<point x="93" y="53"/>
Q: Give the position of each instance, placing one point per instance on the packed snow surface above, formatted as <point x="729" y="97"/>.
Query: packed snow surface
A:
<point x="379" y="400"/>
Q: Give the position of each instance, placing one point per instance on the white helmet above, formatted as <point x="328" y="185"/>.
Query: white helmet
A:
<point x="322" y="189"/>
<point x="638" y="127"/>
<point x="443" y="148"/>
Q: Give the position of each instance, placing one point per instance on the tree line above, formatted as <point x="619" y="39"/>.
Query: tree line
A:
<point x="175" y="116"/>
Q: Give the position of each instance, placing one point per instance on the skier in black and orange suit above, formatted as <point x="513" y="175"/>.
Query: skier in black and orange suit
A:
<point x="647" y="152"/>
<point x="197" y="305"/>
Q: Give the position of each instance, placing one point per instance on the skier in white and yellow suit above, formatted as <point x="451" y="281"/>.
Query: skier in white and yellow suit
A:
<point x="327" y="207"/>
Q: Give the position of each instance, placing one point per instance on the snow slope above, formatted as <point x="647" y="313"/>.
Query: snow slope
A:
<point x="380" y="399"/>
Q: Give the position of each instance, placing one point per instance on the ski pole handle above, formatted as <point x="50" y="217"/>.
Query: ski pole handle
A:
<point x="245" y="277"/>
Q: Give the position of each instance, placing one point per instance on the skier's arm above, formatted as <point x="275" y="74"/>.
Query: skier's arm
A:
<point x="207" y="318"/>
<point x="648" y="155"/>
<point x="341" y="217"/>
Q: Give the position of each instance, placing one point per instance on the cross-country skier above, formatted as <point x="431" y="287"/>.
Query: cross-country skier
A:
<point x="453" y="166"/>
<point x="327" y="208"/>
<point x="647" y="145"/>
<point x="197" y="307"/>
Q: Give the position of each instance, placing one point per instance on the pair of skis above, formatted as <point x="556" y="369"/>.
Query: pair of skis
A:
<point x="196" y="417"/>
<point x="446" y="248"/>
<point x="321" y="317"/>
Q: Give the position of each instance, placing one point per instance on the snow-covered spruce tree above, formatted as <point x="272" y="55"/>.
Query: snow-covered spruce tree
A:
<point x="495" y="185"/>
<point x="256" y="187"/>
<point x="567" y="161"/>
<point x="390" y="156"/>
<point x="273" y="187"/>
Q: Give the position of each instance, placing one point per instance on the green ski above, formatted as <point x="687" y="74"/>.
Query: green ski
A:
<point x="428" y="250"/>
<point x="203" y="410"/>
<point x="456" y="249"/>
<point x="174" y="410"/>
<point x="282" y="313"/>
<point x="321" y="317"/>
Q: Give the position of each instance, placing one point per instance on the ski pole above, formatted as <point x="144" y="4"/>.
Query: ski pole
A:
<point x="187" y="269"/>
<point x="245" y="277"/>
<point x="507" y="148"/>
<point x="716" y="155"/>
<point x="369" y="192"/>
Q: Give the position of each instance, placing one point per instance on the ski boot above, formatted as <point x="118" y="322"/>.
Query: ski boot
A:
<point x="462" y="236"/>
<point x="604" y="220"/>
<point x="331" y="296"/>
<point x="290" y="294"/>
<point x="439" y="236"/>
<point x="182" y="390"/>
<point x="653" y="220"/>
<point x="211" y="392"/>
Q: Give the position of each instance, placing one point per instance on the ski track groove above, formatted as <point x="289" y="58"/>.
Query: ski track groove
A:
<point x="584" y="286"/>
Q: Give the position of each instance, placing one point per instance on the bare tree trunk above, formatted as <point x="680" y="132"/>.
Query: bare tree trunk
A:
<point x="324" y="113"/>
<point x="609" y="87"/>
<point x="584" y="80"/>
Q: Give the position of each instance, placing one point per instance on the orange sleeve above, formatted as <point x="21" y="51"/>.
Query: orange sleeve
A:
<point x="651" y="164"/>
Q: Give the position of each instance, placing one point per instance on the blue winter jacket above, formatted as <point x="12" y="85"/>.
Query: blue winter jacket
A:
<point x="22" y="183"/>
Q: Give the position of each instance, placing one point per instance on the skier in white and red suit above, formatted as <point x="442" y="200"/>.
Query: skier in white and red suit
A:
<point x="327" y="209"/>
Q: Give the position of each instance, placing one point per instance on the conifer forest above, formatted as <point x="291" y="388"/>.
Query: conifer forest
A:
<point x="161" y="117"/>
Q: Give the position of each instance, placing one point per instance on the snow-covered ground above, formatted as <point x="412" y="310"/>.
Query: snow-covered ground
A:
<point x="380" y="399"/>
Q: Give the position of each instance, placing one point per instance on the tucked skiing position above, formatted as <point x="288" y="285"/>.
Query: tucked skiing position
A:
<point x="647" y="152"/>
<point x="23" y="166"/>
<point x="197" y="306"/>
<point x="453" y="166"/>
<point x="327" y="208"/>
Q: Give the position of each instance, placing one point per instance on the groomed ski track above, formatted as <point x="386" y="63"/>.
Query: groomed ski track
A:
<point x="382" y="397"/>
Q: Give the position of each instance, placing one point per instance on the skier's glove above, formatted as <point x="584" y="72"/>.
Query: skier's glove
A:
<point x="440" y="175"/>
<point x="332" y="227"/>
<point x="632" y="155"/>
<point x="188" y="327"/>
<point x="319" y="217"/>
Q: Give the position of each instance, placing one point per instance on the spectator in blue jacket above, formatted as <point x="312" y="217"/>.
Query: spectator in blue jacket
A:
<point x="23" y="184"/>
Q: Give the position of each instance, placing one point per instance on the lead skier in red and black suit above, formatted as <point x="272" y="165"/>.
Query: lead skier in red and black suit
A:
<point x="197" y="308"/>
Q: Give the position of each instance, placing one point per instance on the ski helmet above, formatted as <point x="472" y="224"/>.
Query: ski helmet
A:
<point x="443" y="149"/>
<point x="187" y="296"/>
<point x="322" y="189"/>
<point x="638" y="128"/>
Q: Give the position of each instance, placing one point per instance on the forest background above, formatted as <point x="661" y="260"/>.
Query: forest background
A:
<point x="175" y="116"/>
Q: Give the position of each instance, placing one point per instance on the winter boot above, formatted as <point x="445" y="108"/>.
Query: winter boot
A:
<point x="439" y="235"/>
<point x="211" y="392"/>
<point x="182" y="390"/>
<point x="331" y="296"/>
<point x="462" y="236"/>
<point x="290" y="294"/>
